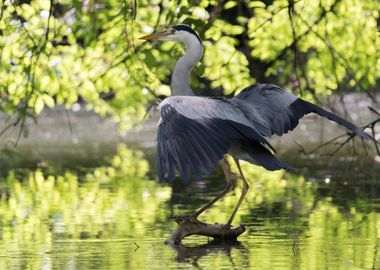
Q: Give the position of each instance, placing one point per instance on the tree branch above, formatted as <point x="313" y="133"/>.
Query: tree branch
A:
<point x="350" y="137"/>
<point x="190" y="226"/>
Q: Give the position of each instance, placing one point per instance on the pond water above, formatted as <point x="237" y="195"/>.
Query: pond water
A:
<point x="80" y="196"/>
<point x="114" y="215"/>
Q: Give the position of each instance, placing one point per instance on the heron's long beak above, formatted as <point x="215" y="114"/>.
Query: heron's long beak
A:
<point x="156" y="35"/>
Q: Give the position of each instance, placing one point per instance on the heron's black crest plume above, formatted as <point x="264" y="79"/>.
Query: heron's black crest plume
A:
<point x="184" y="27"/>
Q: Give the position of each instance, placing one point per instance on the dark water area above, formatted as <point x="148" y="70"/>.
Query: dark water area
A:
<point x="71" y="202"/>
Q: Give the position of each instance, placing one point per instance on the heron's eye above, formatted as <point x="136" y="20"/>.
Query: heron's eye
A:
<point x="172" y="31"/>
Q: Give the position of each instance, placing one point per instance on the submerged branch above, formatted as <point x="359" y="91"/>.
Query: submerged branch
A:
<point x="190" y="226"/>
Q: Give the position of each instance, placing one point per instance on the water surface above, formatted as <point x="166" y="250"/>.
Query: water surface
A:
<point x="115" y="216"/>
<point x="80" y="196"/>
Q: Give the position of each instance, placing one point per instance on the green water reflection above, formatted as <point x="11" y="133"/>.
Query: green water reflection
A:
<point x="115" y="217"/>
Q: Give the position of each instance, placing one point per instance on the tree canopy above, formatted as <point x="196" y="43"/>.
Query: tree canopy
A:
<point x="59" y="51"/>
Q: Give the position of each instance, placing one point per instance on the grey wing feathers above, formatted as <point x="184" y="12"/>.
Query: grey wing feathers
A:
<point x="269" y="105"/>
<point x="273" y="110"/>
<point x="192" y="141"/>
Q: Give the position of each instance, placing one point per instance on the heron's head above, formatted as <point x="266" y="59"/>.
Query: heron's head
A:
<point x="180" y="33"/>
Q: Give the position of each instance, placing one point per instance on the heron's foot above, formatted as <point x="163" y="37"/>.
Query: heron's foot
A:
<point x="180" y="218"/>
<point x="227" y="226"/>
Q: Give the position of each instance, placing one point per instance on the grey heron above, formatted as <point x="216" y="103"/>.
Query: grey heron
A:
<point x="195" y="133"/>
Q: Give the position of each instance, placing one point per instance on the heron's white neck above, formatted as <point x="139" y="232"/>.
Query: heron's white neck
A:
<point x="180" y="77"/>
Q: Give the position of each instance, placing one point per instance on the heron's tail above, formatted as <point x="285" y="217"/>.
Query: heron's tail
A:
<point x="263" y="157"/>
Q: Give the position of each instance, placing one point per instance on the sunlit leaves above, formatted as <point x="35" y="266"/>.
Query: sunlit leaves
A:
<point x="269" y="30"/>
<point x="77" y="59"/>
<point x="228" y="68"/>
<point x="225" y="66"/>
<point x="337" y="41"/>
<point x="90" y="50"/>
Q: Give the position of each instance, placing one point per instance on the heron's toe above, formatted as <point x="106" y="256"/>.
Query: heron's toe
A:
<point x="227" y="226"/>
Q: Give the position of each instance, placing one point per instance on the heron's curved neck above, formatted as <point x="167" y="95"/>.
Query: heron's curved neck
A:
<point x="180" y="77"/>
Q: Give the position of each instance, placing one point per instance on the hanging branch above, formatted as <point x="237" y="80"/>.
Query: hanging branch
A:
<point x="134" y="9"/>
<point x="291" y="11"/>
<point x="31" y="75"/>
<point x="322" y="15"/>
<point x="30" y="70"/>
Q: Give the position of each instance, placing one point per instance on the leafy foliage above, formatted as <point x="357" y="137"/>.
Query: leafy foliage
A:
<point x="58" y="51"/>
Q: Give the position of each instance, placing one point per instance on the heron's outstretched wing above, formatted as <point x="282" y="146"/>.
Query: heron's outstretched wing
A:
<point x="274" y="110"/>
<point x="195" y="132"/>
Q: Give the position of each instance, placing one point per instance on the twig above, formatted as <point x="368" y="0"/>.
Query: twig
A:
<point x="137" y="246"/>
<point x="30" y="72"/>
<point x="134" y="9"/>
<point x="350" y="137"/>
<point x="302" y="149"/>
<point x="13" y="124"/>
<point x="69" y="121"/>
<point x="222" y="67"/>
<point x="2" y="11"/>
<point x="374" y="110"/>
<point x="22" y="125"/>
<point x="294" y="47"/>
<point x="48" y="24"/>
<point x="160" y="7"/>
<point x="293" y="248"/>
<point x="270" y="18"/>
<point x="375" y="255"/>
<point x="373" y="135"/>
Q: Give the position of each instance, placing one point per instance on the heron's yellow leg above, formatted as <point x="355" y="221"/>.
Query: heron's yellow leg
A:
<point x="227" y="173"/>
<point x="243" y="193"/>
